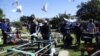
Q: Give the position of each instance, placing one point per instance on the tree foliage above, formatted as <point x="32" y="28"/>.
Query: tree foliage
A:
<point x="27" y="19"/>
<point x="57" y="20"/>
<point x="23" y="18"/>
<point x="17" y="24"/>
<point x="1" y="14"/>
<point x="88" y="10"/>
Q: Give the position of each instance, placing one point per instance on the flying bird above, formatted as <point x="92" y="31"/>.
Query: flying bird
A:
<point x="15" y="3"/>
<point x="71" y="0"/>
<point x="70" y="20"/>
<point x="18" y="7"/>
<point x="45" y="7"/>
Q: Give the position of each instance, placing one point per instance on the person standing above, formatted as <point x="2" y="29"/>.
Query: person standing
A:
<point x="18" y="33"/>
<point x="33" y="26"/>
<point x="65" y="30"/>
<point x="33" y="29"/>
<point x="8" y="27"/>
<point x="78" y="32"/>
<point x="4" y="30"/>
<point x="45" y="30"/>
<point x="91" y="29"/>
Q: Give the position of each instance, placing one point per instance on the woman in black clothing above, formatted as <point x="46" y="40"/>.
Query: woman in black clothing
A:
<point x="33" y="29"/>
<point x="78" y="32"/>
<point x="45" y="31"/>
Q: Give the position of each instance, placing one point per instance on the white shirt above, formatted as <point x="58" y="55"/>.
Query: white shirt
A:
<point x="91" y="27"/>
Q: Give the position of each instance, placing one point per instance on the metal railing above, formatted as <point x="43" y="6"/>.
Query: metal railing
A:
<point x="46" y="48"/>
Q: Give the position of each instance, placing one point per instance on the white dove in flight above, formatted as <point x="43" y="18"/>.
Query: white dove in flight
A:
<point x="45" y="7"/>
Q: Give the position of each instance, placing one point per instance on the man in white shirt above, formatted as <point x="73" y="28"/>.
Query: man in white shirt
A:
<point x="91" y="29"/>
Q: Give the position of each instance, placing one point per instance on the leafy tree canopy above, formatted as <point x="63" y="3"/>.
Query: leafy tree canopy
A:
<point x="88" y="10"/>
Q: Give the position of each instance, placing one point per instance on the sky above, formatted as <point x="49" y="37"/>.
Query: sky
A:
<point x="34" y="7"/>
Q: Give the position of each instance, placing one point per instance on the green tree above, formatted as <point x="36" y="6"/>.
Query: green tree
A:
<point x="1" y="14"/>
<point x="30" y="18"/>
<point x="88" y="10"/>
<point x="25" y="19"/>
<point x="17" y="24"/>
<point x="57" y="20"/>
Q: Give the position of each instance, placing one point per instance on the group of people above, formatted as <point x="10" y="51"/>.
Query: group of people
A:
<point x="9" y="35"/>
<point x="4" y="26"/>
<point x="66" y="29"/>
<point x="34" y="28"/>
<point x="86" y="32"/>
<point x="79" y="30"/>
<point x="43" y="27"/>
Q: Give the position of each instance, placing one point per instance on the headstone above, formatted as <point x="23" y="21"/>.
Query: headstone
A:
<point x="63" y="53"/>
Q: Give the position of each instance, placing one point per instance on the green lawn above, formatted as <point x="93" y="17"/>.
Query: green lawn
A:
<point x="74" y="53"/>
<point x="24" y="30"/>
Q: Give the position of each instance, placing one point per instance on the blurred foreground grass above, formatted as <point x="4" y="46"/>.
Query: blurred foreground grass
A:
<point x="74" y="53"/>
